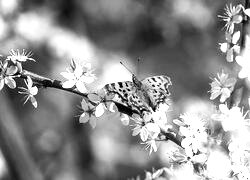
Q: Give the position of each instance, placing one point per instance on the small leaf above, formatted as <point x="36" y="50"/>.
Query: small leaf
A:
<point x="94" y="97"/>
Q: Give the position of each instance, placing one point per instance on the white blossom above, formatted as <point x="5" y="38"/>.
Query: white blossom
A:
<point x="29" y="92"/>
<point x="78" y="75"/>
<point x="222" y="86"/>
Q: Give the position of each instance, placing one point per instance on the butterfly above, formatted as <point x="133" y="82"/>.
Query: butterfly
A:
<point x="141" y="96"/>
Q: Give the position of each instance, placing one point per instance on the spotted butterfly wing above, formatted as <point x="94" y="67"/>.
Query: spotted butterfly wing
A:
<point x="127" y="95"/>
<point x="141" y="95"/>
<point x="157" y="89"/>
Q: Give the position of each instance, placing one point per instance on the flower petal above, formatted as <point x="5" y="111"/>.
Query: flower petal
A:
<point x="10" y="82"/>
<point x="87" y="79"/>
<point x="84" y="118"/>
<point x="214" y="94"/>
<point x="247" y="12"/>
<point x="223" y="47"/>
<point x="68" y="84"/>
<point x="33" y="101"/>
<point x="94" y="97"/>
<point x="236" y="37"/>
<point x="92" y="121"/>
<point x="136" y="131"/>
<point x="112" y="107"/>
<point x="78" y="71"/>
<point x="178" y="122"/>
<point x="230" y="82"/>
<point x="81" y="87"/>
<point x="144" y="134"/>
<point x="153" y="128"/>
<point x="1" y="84"/>
<point x="230" y="56"/>
<point x="99" y="110"/>
<point x="33" y="90"/>
<point x="224" y="109"/>
<point x="11" y="70"/>
<point x="84" y="105"/>
<point x="125" y="119"/>
<point x="225" y="93"/>
<point x="68" y="75"/>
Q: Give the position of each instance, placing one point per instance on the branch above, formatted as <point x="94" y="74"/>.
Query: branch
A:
<point x="45" y="82"/>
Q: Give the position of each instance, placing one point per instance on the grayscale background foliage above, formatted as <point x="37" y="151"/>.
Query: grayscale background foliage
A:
<point x="176" y="38"/>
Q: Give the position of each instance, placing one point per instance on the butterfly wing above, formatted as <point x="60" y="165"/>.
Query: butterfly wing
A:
<point x="127" y="95"/>
<point x="157" y="89"/>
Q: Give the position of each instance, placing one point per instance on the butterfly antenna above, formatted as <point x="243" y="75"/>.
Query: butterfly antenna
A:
<point x="126" y="68"/>
<point x="138" y="66"/>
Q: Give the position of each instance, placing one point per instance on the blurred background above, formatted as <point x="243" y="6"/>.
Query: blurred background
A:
<point x="176" y="38"/>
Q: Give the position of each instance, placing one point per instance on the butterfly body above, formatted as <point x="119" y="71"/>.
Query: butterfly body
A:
<point x="143" y="95"/>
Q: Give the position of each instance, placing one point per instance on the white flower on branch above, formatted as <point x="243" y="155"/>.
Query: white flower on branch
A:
<point x="154" y="175"/>
<point x="151" y="145"/>
<point x="192" y="128"/>
<point x="90" y="113"/>
<point x="19" y="56"/>
<point x="222" y="86"/>
<point x="103" y="99"/>
<point x="177" y="157"/>
<point x="230" y="47"/>
<point x="145" y="128"/>
<point x="232" y="119"/>
<point x="29" y="92"/>
<point x="77" y="75"/>
<point x="6" y="75"/>
<point x="232" y="15"/>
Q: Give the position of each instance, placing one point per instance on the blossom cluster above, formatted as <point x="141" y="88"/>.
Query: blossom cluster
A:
<point x="11" y="68"/>
<point x="235" y="15"/>
<point x="77" y="75"/>
<point x="150" y="125"/>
